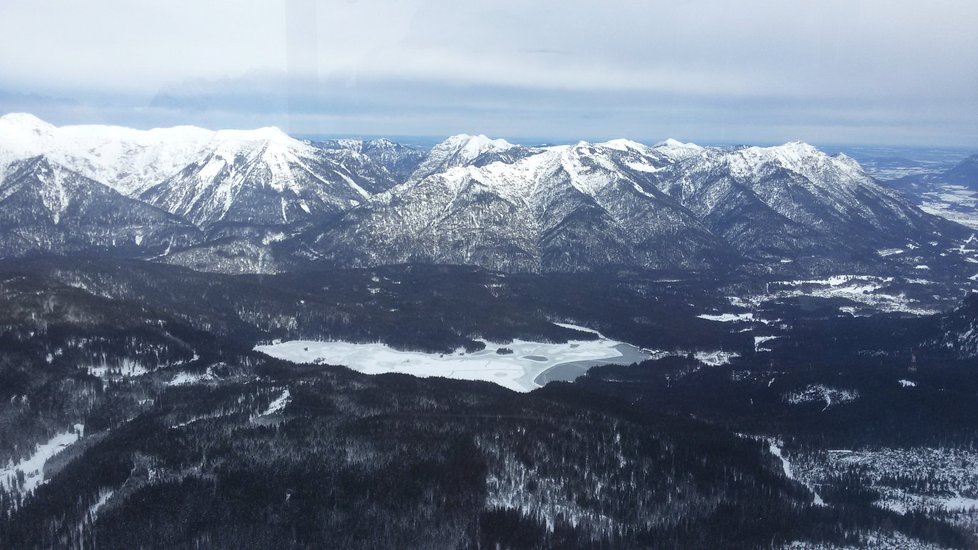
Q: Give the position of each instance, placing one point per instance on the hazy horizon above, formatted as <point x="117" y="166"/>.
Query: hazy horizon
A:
<point x="758" y="72"/>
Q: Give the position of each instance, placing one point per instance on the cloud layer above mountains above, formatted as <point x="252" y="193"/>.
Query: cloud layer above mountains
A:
<point x="884" y="72"/>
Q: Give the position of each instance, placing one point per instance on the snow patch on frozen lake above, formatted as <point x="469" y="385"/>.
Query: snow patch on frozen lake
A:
<point x="517" y="370"/>
<point x="520" y="365"/>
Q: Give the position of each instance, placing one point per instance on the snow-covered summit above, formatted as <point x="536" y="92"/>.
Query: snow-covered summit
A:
<point x="670" y="143"/>
<point x="470" y="146"/>
<point x="461" y="150"/>
<point x="676" y="150"/>
<point x="624" y="145"/>
<point x="798" y="157"/>
<point x="23" y="121"/>
<point x="127" y="159"/>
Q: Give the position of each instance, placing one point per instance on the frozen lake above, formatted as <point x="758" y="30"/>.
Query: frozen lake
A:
<point x="529" y="366"/>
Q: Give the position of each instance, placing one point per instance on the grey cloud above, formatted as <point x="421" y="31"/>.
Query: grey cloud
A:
<point x="867" y="71"/>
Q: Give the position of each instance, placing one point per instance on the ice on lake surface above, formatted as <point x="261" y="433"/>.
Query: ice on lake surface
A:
<point x="517" y="371"/>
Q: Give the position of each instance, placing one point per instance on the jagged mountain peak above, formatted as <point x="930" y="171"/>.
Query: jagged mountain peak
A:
<point x="461" y="150"/>
<point x="383" y="142"/>
<point x="38" y="169"/>
<point x="465" y="148"/>
<point x="38" y="165"/>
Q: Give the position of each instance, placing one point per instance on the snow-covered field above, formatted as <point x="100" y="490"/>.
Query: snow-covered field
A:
<point x="517" y="370"/>
<point x="954" y="202"/>
<point x="863" y="289"/>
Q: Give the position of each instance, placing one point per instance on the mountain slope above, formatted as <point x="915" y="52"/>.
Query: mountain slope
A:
<point x="267" y="202"/>
<point x="382" y="161"/>
<point x="793" y="200"/>
<point x="240" y="177"/>
<point x="262" y="177"/>
<point x="44" y="207"/>
<point x="467" y="150"/>
<point x="964" y="173"/>
<point x="562" y="209"/>
<point x="621" y="203"/>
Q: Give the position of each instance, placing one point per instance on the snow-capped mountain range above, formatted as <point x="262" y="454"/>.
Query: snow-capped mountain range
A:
<point x="622" y="203"/>
<point x="260" y="201"/>
<point x="251" y="177"/>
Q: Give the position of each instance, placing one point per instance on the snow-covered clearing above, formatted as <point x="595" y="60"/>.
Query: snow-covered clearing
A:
<point x="32" y="467"/>
<point x="953" y="202"/>
<point x="774" y="447"/>
<point x="863" y="289"/>
<point x="279" y="404"/>
<point x="728" y="317"/>
<point x="184" y="378"/>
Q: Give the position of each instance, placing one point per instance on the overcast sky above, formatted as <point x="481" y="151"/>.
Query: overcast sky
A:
<point x="753" y="71"/>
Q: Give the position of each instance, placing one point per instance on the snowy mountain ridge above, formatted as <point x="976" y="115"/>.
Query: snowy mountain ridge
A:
<point x="207" y="177"/>
<point x="476" y="200"/>
<point x="591" y="205"/>
<point x="126" y="159"/>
